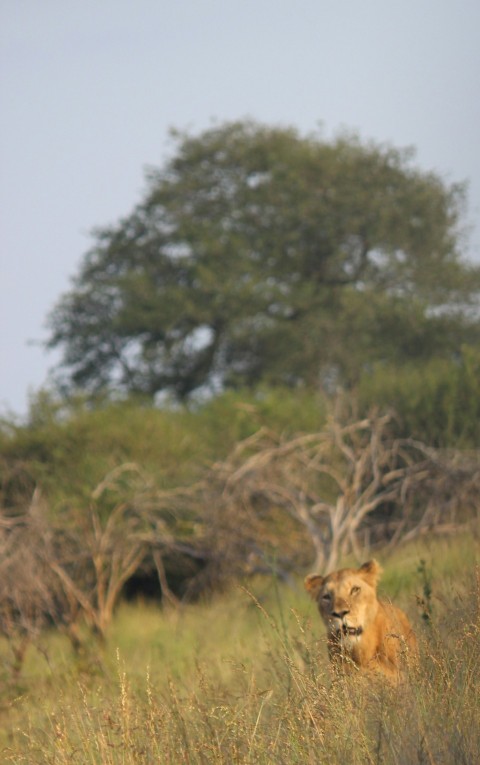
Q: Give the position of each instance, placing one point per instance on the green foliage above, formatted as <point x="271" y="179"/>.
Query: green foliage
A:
<point x="259" y="255"/>
<point x="67" y="448"/>
<point x="437" y="402"/>
<point x="235" y="415"/>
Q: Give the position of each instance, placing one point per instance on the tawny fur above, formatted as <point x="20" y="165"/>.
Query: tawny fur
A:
<point x="363" y="631"/>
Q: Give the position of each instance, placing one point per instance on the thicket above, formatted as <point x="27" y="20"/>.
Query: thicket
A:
<point x="437" y="401"/>
<point x="66" y="447"/>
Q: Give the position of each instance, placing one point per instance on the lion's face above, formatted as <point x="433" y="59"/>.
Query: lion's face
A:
<point x="362" y="631"/>
<point x="347" y="600"/>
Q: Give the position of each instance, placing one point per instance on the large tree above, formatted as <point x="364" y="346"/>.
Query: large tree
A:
<point x="259" y="254"/>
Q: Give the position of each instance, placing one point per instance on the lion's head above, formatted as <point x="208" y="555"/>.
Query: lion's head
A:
<point x="363" y="631"/>
<point x="346" y="599"/>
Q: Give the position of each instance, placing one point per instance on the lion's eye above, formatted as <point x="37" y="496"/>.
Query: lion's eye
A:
<point x="354" y="590"/>
<point x="326" y="596"/>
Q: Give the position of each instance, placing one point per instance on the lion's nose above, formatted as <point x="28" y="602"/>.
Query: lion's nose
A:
<point x="340" y="614"/>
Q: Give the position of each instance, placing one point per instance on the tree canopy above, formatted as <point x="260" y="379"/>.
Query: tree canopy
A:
<point x="260" y="255"/>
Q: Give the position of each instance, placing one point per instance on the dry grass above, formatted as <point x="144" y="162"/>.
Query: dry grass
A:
<point x="244" y="679"/>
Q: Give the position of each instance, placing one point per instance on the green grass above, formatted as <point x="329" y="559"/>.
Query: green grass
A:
<point x="244" y="679"/>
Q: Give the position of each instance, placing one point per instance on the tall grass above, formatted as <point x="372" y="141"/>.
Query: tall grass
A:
<point x="244" y="679"/>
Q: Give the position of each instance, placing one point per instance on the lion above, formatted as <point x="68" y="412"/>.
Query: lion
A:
<point x="363" y="632"/>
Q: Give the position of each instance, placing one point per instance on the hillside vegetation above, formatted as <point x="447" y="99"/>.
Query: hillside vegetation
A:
<point x="115" y="500"/>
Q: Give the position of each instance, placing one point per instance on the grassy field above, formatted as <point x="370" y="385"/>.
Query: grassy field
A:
<point x="244" y="679"/>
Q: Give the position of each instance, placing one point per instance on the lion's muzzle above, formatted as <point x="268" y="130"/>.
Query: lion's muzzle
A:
<point x="346" y="630"/>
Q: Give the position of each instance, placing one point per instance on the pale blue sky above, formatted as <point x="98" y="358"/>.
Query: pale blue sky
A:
<point x="89" y="89"/>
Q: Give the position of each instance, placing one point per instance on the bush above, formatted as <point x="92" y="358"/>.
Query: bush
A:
<point x="437" y="402"/>
<point x="67" y="448"/>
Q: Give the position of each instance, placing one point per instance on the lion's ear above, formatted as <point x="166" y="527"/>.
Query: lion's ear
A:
<point x="313" y="583"/>
<point x="371" y="572"/>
